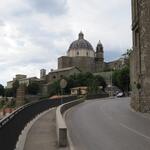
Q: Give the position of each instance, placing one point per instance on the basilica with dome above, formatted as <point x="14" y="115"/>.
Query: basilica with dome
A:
<point x="82" y="55"/>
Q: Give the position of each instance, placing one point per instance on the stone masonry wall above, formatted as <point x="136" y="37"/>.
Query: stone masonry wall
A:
<point x="141" y="59"/>
<point x="145" y="54"/>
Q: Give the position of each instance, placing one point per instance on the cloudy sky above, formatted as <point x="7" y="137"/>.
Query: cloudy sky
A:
<point x="34" y="33"/>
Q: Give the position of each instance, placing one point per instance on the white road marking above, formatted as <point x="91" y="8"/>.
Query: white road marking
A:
<point x="135" y="131"/>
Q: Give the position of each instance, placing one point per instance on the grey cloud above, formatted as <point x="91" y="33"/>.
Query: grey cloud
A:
<point x="112" y="55"/>
<point x="22" y="12"/>
<point x="41" y="37"/>
<point x="45" y="28"/>
<point x="2" y="23"/>
<point x="51" y="7"/>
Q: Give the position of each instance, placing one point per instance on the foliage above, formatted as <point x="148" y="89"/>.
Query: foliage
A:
<point x="128" y="53"/>
<point x="54" y="88"/>
<point x="101" y="82"/>
<point x="1" y="105"/>
<point x="33" y="88"/>
<point x="15" y="87"/>
<point x="121" y="78"/>
<point x="9" y="92"/>
<point x="2" y="90"/>
<point x="93" y="86"/>
<point x="77" y="80"/>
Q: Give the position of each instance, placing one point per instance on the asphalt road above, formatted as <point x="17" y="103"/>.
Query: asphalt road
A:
<point x="108" y="125"/>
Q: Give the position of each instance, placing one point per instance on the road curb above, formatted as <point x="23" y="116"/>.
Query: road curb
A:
<point x="63" y="138"/>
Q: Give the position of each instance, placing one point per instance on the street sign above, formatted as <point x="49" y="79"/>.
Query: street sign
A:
<point x="63" y="83"/>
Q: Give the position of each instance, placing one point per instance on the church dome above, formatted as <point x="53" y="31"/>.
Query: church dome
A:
<point x="81" y="47"/>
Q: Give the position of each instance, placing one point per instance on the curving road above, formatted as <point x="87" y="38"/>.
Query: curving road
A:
<point x="108" y="125"/>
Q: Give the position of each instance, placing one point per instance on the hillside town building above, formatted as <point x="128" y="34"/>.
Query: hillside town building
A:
<point x="80" y="57"/>
<point x="22" y="79"/>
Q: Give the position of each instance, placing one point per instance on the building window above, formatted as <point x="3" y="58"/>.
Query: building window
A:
<point x="87" y="54"/>
<point x="54" y="77"/>
<point x="77" y="53"/>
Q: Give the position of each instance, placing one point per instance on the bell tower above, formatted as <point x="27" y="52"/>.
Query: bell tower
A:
<point x="99" y="52"/>
<point x="99" y="58"/>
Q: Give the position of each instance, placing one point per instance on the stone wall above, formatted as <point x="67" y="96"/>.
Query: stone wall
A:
<point x="64" y="62"/>
<point x="20" y="96"/>
<point x="56" y="75"/>
<point x="133" y="82"/>
<point x="85" y="64"/>
<point x="141" y="60"/>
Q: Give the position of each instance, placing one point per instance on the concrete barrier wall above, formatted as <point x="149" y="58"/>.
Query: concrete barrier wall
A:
<point x="61" y="127"/>
<point x="89" y="97"/>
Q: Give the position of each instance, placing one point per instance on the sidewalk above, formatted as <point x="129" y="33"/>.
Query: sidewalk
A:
<point x="42" y="135"/>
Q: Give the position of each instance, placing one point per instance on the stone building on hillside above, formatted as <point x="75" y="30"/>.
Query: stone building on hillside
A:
<point x="23" y="80"/>
<point x="58" y="74"/>
<point x="82" y="55"/>
<point x="55" y="75"/>
<point x="140" y="57"/>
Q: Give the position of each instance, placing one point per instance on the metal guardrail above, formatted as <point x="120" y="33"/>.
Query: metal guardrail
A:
<point x="12" y="125"/>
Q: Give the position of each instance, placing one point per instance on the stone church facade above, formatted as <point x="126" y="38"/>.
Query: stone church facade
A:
<point x="82" y="55"/>
<point x="140" y="57"/>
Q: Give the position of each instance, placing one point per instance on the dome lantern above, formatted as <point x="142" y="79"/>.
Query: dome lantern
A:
<point x="81" y="35"/>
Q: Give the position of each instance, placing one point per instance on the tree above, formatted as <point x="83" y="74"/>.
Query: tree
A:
<point x="2" y="90"/>
<point x="115" y="78"/>
<point x="101" y="82"/>
<point x="33" y="88"/>
<point x="124" y="79"/>
<point x="93" y="86"/>
<point x="9" y="92"/>
<point x="86" y="79"/>
<point x="127" y="53"/>
<point x="54" y="88"/>
<point x="15" y="87"/>
<point x="77" y="80"/>
<point x="121" y="79"/>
